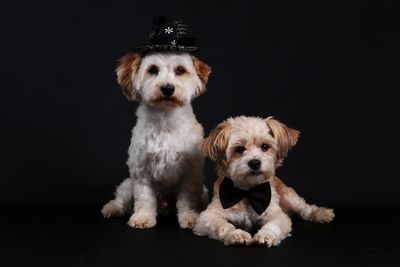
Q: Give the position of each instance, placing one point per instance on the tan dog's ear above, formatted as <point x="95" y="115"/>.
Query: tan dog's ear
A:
<point x="203" y="71"/>
<point x="215" y="144"/>
<point x="127" y="69"/>
<point x="285" y="136"/>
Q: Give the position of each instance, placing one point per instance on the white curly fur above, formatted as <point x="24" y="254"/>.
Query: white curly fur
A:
<point x="164" y="161"/>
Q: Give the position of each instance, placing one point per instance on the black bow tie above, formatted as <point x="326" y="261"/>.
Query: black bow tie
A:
<point x="258" y="196"/>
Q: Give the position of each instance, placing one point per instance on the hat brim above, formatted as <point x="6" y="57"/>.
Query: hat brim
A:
<point x="149" y="48"/>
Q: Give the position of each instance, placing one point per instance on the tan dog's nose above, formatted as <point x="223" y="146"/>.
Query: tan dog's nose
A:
<point x="254" y="164"/>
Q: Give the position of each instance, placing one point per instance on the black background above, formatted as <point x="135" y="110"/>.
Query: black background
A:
<point x="325" y="68"/>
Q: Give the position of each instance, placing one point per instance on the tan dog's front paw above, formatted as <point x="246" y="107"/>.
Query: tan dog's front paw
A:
<point x="111" y="209"/>
<point x="237" y="237"/>
<point x="142" y="221"/>
<point x="323" y="215"/>
<point x="265" y="239"/>
<point x="187" y="220"/>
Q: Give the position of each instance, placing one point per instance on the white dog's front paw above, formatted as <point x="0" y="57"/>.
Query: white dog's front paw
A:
<point x="237" y="237"/>
<point x="264" y="238"/>
<point x="111" y="209"/>
<point x="323" y="215"/>
<point x="142" y="221"/>
<point x="187" y="220"/>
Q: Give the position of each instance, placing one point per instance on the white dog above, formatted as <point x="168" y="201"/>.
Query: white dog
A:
<point x="247" y="151"/>
<point x="164" y="162"/>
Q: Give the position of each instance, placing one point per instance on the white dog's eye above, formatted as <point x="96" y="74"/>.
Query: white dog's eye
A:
<point x="264" y="147"/>
<point x="180" y="70"/>
<point x="153" y="69"/>
<point x="240" y="149"/>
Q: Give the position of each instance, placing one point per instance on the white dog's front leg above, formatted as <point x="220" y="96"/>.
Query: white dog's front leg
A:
<point x="211" y="224"/>
<point x="188" y="202"/>
<point x="276" y="227"/>
<point x="122" y="203"/>
<point x="145" y="205"/>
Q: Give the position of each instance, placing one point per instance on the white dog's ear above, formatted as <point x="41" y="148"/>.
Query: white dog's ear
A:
<point x="127" y="69"/>
<point x="285" y="136"/>
<point x="202" y="71"/>
<point x="215" y="144"/>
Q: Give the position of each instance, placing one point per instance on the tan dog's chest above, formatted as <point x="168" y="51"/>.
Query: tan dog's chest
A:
<point x="242" y="215"/>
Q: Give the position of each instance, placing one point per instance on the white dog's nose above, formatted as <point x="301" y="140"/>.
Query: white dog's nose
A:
<point x="168" y="90"/>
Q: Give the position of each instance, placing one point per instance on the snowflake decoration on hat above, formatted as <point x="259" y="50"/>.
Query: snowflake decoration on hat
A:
<point x="173" y="43"/>
<point x="169" y="30"/>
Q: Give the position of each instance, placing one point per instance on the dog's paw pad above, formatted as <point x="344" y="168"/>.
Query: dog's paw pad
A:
<point x="237" y="237"/>
<point x="112" y="210"/>
<point x="323" y="215"/>
<point x="142" y="221"/>
<point x="187" y="220"/>
<point x="265" y="239"/>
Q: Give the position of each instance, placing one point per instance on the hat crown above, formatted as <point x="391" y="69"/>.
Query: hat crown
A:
<point x="169" y="34"/>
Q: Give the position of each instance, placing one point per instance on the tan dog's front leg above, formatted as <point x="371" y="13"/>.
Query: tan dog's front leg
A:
<point x="277" y="226"/>
<point x="213" y="225"/>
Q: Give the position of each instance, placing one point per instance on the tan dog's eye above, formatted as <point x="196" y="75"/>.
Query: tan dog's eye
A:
<point x="153" y="69"/>
<point x="264" y="147"/>
<point x="180" y="70"/>
<point x="240" y="149"/>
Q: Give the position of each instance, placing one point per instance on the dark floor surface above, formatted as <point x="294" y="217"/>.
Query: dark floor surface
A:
<point x="84" y="238"/>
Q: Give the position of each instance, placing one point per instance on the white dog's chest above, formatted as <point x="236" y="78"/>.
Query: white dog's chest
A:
<point x="160" y="156"/>
<point x="162" y="163"/>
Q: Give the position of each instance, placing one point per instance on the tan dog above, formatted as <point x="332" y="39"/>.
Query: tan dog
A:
<point x="247" y="151"/>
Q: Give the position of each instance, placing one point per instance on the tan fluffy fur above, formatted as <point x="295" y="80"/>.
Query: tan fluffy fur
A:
<point x="128" y="65"/>
<point x="251" y="133"/>
<point x="216" y="143"/>
<point x="203" y="71"/>
<point x="287" y="137"/>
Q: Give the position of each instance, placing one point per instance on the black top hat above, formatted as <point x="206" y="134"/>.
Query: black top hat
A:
<point x="168" y="35"/>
